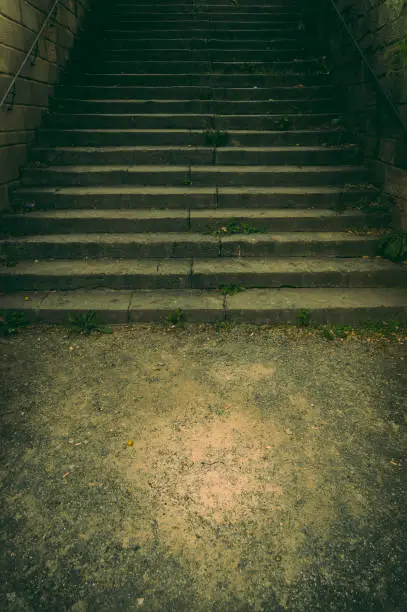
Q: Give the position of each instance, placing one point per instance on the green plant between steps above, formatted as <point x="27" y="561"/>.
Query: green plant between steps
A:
<point x="396" y="55"/>
<point x="216" y="138"/>
<point x="86" y="323"/>
<point x="177" y="317"/>
<point x="373" y="202"/>
<point x="11" y="322"/>
<point x="393" y="246"/>
<point x="230" y="289"/>
<point x="304" y="318"/>
<point x="235" y="227"/>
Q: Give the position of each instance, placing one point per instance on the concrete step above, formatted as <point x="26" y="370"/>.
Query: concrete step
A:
<point x="187" y="137"/>
<point x="215" y="107"/>
<point x="259" y="306"/>
<point x="211" y="5"/>
<point x="224" y="30"/>
<point x="151" y="18"/>
<point x="200" y="21"/>
<point x="63" y="275"/>
<point x="198" y="121"/>
<point x="185" y="92"/>
<point x="194" y="198"/>
<point x="199" y="176"/>
<point x="182" y="220"/>
<point x="259" y="156"/>
<point x="201" y="80"/>
<point x="183" y="245"/>
<point x="202" y="54"/>
<point x="193" y="42"/>
<point x="173" y="67"/>
<point x="225" y="9"/>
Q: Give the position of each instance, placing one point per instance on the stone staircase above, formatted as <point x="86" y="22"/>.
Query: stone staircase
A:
<point x="193" y="145"/>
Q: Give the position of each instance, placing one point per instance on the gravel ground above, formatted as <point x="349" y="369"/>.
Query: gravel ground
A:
<point x="202" y="470"/>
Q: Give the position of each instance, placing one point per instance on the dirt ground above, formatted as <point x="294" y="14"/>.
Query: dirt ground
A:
<point x="202" y="470"/>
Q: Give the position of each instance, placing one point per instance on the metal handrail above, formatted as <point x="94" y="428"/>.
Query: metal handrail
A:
<point x="381" y="90"/>
<point x="29" y="53"/>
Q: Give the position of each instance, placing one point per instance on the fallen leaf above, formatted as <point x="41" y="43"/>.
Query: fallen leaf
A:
<point x="71" y="348"/>
<point x="27" y="299"/>
<point x="130" y="443"/>
<point x="140" y="602"/>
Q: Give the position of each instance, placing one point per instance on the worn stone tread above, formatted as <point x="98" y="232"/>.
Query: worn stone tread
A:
<point x="259" y="306"/>
<point x="152" y="237"/>
<point x="200" y="169"/>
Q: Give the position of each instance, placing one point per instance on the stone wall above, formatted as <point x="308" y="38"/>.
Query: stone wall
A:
<point x="20" y="21"/>
<point x="380" y="28"/>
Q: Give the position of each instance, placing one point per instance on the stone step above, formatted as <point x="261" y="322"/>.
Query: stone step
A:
<point x="199" y="176"/>
<point x="194" y="198"/>
<point x="174" y="67"/>
<point x="193" y="138"/>
<point x="212" y="11"/>
<point x="223" y="30"/>
<point x="259" y="306"/>
<point x="182" y="245"/>
<point x="182" y="220"/>
<point x="210" y="43"/>
<point x="203" y="54"/>
<point x="259" y="14"/>
<point x="186" y="92"/>
<point x="202" y="80"/>
<point x="198" y="121"/>
<point x="63" y="275"/>
<point x="127" y="7"/>
<point x="259" y="156"/>
<point x="206" y="107"/>
<point x="201" y="20"/>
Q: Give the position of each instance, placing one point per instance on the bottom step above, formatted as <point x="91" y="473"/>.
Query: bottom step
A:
<point x="259" y="306"/>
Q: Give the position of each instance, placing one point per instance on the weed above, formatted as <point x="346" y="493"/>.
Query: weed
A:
<point x="393" y="246"/>
<point x="341" y="331"/>
<point x="177" y="317"/>
<point x="383" y="203"/>
<point x="22" y="206"/>
<point x="10" y="322"/>
<point x="224" y="325"/>
<point x="303" y="318"/>
<point x="373" y="202"/>
<point x="216" y="138"/>
<point x="247" y="68"/>
<point x="397" y="57"/>
<point x="235" y="227"/>
<point x="7" y="262"/>
<point x="282" y="123"/>
<point x="86" y="323"/>
<point x="390" y="330"/>
<point x="217" y="410"/>
<point x="324" y="65"/>
<point x="327" y="333"/>
<point x="230" y="289"/>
